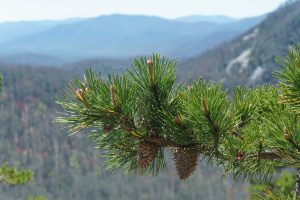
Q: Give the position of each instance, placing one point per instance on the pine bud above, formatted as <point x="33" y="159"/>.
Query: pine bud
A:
<point x="79" y="93"/>
<point x="177" y="120"/>
<point x="87" y="89"/>
<point x="287" y="135"/>
<point x="204" y="106"/>
<point x="107" y="128"/>
<point x="150" y="70"/>
<point x="113" y="96"/>
<point x="239" y="155"/>
<point x="80" y="96"/>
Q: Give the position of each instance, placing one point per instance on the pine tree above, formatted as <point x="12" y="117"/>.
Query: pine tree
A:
<point x="12" y="176"/>
<point x="132" y="117"/>
<point x="280" y="186"/>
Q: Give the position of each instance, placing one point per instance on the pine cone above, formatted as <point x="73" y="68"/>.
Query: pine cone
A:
<point x="185" y="161"/>
<point x="147" y="153"/>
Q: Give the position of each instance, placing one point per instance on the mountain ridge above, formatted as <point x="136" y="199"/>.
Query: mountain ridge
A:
<point x="204" y="18"/>
<point x="249" y="58"/>
<point x="111" y="36"/>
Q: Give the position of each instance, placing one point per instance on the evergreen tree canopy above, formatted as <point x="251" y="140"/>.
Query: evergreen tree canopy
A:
<point x="281" y="187"/>
<point x="132" y="117"/>
<point x="12" y="176"/>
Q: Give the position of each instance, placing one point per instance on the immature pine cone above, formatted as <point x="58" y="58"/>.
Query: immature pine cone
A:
<point x="147" y="153"/>
<point x="185" y="161"/>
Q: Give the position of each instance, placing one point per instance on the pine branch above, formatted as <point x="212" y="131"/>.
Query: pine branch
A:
<point x="134" y="116"/>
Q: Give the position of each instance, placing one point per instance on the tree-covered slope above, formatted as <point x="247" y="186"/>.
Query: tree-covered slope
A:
<point x="250" y="57"/>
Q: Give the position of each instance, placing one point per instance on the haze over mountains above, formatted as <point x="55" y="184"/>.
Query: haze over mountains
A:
<point x="204" y="18"/>
<point x="249" y="59"/>
<point x="115" y="36"/>
<point x="12" y="30"/>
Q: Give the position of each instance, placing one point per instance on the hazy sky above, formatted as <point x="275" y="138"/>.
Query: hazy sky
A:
<point x="11" y="10"/>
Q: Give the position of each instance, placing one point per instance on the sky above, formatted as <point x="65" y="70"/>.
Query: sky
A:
<point x="15" y="10"/>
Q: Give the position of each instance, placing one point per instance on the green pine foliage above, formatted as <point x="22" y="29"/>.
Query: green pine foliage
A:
<point x="251" y="132"/>
<point x="280" y="187"/>
<point x="289" y="78"/>
<point x="39" y="197"/>
<point x="13" y="176"/>
<point x="274" y="196"/>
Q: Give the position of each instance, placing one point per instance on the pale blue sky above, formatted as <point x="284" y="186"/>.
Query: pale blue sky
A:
<point x="12" y="10"/>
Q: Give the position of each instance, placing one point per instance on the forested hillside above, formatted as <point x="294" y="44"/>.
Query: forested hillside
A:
<point x="112" y="36"/>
